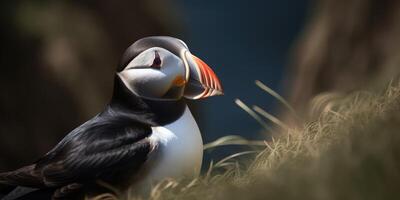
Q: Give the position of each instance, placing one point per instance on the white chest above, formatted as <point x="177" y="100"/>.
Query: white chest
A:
<point x="179" y="151"/>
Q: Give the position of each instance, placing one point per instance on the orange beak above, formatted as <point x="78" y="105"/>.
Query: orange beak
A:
<point x="202" y="81"/>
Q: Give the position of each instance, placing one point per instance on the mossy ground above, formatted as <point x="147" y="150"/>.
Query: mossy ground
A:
<point x="349" y="150"/>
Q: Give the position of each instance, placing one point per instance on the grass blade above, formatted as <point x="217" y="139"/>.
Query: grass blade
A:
<point x="232" y="140"/>
<point x="220" y="163"/>
<point x="276" y="95"/>
<point x="253" y="114"/>
<point x="270" y="117"/>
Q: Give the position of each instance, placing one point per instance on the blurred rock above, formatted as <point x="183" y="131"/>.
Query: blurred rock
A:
<point x="346" y="46"/>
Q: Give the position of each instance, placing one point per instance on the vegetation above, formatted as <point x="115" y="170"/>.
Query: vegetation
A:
<point x="349" y="150"/>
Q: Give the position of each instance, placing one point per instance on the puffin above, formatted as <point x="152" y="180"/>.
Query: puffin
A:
<point x="146" y="133"/>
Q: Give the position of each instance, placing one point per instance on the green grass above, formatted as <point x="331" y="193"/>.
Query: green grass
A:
<point x="350" y="149"/>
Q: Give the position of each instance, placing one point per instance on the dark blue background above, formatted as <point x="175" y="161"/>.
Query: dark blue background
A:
<point x="242" y="41"/>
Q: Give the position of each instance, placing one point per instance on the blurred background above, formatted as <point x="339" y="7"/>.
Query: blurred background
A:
<point x="58" y="59"/>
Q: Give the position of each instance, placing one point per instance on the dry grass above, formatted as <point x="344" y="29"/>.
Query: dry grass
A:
<point x="351" y="150"/>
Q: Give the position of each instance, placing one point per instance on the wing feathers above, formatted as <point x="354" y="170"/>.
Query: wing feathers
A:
<point x="25" y="176"/>
<point x="79" y="167"/>
<point x="96" y="149"/>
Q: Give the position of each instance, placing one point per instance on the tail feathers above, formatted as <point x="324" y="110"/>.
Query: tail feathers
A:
<point x="26" y="176"/>
<point x="18" y="192"/>
<point x="5" y="189"/>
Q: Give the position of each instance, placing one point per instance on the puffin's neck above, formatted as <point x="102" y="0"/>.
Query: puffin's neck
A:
<point x="151" y="111"/>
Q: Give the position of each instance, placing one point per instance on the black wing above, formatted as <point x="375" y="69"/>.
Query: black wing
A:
<point x="101" y="148"/>
<point x="97" y="149"/>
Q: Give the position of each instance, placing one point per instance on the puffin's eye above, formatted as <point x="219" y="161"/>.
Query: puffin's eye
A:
<point x="157" y="60"/>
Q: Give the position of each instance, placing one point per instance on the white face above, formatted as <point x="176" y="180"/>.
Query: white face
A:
<point x="155" y="74"/>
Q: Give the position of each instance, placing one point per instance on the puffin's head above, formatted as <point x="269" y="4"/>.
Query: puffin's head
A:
<point x="162" y="68"/>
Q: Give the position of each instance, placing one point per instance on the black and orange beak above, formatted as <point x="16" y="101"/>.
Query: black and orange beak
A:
<point x="202" y="82"/>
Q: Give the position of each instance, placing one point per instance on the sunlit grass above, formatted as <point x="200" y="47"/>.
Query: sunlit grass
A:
<point x="349" y="150"/>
